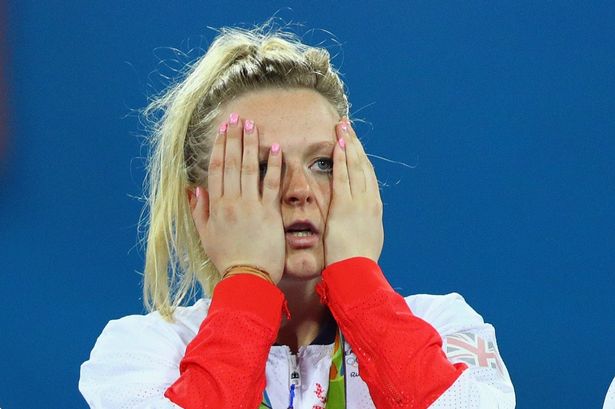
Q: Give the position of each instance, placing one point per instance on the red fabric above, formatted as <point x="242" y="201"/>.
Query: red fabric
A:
<point x="224" y="365"/>
<point x="400" y="356"/>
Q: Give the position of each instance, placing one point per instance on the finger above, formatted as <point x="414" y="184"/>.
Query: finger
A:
<point x="341" y="185"/>
<point x="371" y="181"/>
<point x="200" y="212"/>
<point x="356" y="176"/>
<point x="271" y="182"/>
<point x="232" y="157"/>
<point x="215" y="177"/>
<point x="249" y="166"/>
<point x="353" y="135"/>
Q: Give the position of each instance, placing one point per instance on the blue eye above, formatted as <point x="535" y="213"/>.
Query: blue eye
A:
<point x="324" y="165"/>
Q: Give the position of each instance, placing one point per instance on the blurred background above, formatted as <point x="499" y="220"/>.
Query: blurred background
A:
<point x="503" y="112"/>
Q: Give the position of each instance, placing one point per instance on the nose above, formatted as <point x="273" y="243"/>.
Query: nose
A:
<point x="296" y="189"/>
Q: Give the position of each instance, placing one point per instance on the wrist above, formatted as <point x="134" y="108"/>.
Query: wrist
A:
<point x="341" y="258"/>
<point x="351" y="279"/>
<point x="245" y="293"/>
<point x="247" y="269"/>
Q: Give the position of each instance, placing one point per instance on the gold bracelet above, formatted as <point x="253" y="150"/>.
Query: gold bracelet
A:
<point x="246" y="268"/>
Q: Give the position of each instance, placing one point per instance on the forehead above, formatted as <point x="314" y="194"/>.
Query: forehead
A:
<point x="286" y="116"/>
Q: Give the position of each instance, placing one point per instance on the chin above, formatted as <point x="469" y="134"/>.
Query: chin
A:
<point x="303" y="266"/>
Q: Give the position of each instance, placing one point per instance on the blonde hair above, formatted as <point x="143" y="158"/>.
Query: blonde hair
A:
<point x="181" y="137"/>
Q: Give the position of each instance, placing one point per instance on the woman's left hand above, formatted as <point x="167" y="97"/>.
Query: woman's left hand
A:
<point x="354" y="223"/>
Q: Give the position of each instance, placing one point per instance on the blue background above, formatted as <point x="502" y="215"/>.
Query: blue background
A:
<point x="505" y="110"/>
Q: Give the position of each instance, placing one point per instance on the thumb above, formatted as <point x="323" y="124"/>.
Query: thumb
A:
<point x="199" y="205"/>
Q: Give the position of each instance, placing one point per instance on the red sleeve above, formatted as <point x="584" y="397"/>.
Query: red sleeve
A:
<point x="224" y="365"/>
<point x="400" y="356"/>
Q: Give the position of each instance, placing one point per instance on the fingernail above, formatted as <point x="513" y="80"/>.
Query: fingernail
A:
<point x="234" y="118"/>
<point x="223" y="127"/>
<point x="344" y="127"/>
<point x="248" y="126"/>
<point x="275" y="148"/>
<point x="342" y="143"/>
<point x="198" y="191"/>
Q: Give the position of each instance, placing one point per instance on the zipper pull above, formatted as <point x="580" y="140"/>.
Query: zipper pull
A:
<point x="294" y="375"/>
<point x="294" y="378"/>
<point x="292" y="397"/>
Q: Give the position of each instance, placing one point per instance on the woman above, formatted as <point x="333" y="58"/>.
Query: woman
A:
<point x="261" y="192"/>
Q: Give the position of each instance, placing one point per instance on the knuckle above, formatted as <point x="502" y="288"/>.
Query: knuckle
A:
<point x="357" y="166"/>
<point x="215" y="164"/>
<point x="274" y="164"/>
<point x="375" y="212"/>
<point x="271" y="183"/>
<point x="229" y="213"/>
<point x="231" y="164"/>
<point x="249" y="169"/>
<point x="377" y="208"/>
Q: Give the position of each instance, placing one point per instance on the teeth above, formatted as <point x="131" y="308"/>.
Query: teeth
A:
<point x="301" y="233"/>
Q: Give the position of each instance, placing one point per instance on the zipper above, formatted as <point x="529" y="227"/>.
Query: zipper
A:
<point x="294" y="380"/>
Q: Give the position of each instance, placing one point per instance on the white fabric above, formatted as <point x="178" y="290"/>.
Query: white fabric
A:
<point x="136" y="358"/>
<point x="609" y="399"/>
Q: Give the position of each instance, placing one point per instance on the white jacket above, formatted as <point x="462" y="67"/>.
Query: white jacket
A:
<point x="136" y="358"/>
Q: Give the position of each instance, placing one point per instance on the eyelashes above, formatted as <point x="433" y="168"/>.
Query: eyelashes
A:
<point x="320" y="165"/>
<point x="324" y="165"/>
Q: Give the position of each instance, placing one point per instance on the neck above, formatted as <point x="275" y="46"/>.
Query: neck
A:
<point x="307" y="313"/>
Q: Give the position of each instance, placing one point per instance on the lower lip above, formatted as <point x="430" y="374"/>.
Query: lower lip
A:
<point x="296" y="242"/>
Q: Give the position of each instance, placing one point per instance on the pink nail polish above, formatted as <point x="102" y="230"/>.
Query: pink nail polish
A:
<point x="275" y="148"/>
<point x="198" y="192"/>
<point x="222" y="128"/>
<point x="234" y="118"/>
<point x="248" y="126"/>
<point x="344" y="127"/>
<point x="342" y="143"/>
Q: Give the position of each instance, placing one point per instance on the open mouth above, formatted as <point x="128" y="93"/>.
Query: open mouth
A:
<point x="301" y="229"/>
<point x="301" y="235"/>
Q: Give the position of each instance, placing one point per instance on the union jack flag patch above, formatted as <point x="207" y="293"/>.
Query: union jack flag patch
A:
<point x="473" y="350"/>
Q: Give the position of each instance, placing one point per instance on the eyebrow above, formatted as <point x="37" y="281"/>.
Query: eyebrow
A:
<point x="327" y="146"/>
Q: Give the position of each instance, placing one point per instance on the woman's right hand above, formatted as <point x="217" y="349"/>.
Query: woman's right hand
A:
<point x="238" y="224"/>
